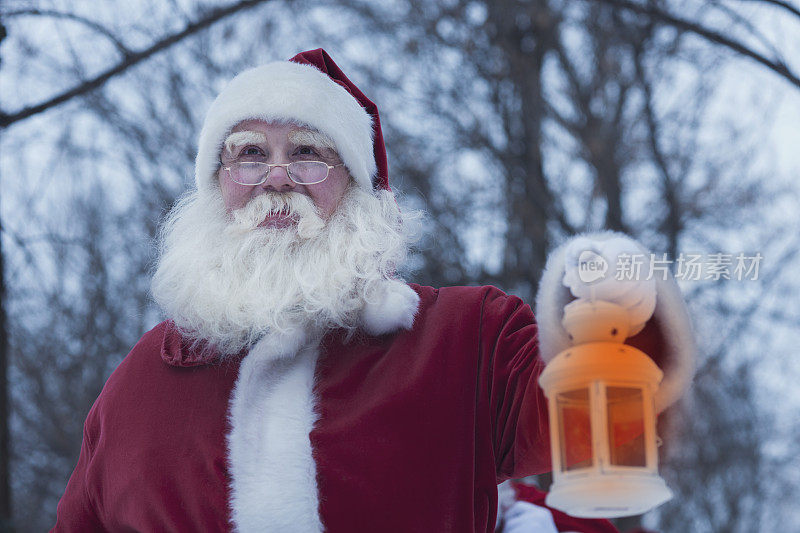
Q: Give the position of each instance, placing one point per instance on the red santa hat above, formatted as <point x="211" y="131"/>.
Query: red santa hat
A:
<point x="311" y="90"/>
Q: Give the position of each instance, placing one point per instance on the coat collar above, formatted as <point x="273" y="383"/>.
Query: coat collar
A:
<point x="391" y="306"/>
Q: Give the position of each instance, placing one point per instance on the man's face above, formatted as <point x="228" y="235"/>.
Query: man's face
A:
<point x="271" y="142"/>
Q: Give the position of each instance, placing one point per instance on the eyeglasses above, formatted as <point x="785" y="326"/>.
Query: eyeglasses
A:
<point x="300" y="172"/>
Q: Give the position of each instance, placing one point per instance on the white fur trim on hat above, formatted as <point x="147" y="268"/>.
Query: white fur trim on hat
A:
<point x="670" y="313"/>
<point x="288" y="91"/>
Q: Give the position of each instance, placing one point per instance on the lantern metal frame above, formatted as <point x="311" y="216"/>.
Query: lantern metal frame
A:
<point x="603" y="488"/>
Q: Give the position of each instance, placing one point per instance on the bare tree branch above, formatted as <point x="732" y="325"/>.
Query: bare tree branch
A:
<point x="778" y="3"/>
<point x="744" y="22"/>
<point x="738" y="321"/>
<point x="133" y="58"/>
<point x="99" y="28"/>
<point x="775" y="65"/>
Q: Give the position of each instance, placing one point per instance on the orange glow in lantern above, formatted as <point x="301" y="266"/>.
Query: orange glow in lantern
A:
<point x="602" y="418"/>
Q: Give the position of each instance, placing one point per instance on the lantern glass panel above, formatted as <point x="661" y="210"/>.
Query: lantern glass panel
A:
<point x="575" y="429"/>
<point x="625" y="407"/>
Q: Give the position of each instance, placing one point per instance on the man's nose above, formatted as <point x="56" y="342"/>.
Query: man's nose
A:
<point x="278" y="180"/>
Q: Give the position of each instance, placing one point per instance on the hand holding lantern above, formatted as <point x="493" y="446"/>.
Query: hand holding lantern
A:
<point x="600" y="391"/>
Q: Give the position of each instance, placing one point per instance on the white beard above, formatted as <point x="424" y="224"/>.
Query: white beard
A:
<point x="227" y="282"/>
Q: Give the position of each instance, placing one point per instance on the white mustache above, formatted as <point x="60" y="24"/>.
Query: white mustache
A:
<point x="309" y="223"/>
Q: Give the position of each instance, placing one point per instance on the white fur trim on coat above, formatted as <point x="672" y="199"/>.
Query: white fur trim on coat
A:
<point x="272" y="413"/>
<point x="288" y="91"/>
<point x="392" y="306"/>
<point x="670" y="313"/>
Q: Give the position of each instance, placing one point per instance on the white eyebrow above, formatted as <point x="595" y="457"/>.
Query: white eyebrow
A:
<point x="312" y="138"/>
<point x="240" y="138"/>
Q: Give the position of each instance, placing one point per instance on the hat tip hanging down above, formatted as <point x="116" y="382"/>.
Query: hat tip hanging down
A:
<point x="320" y="59"/>
<point x="309" y="89"/>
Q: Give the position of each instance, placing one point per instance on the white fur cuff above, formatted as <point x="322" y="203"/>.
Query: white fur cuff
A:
<point x="670" y="313"/>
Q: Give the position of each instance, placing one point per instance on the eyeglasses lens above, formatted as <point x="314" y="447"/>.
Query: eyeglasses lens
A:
<point x="303" y="172"/>
<point x="308" y="171"/>
<point x="248" y="173"/>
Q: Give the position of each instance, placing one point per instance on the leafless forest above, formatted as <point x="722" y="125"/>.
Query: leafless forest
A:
<point x="513" y="123"/>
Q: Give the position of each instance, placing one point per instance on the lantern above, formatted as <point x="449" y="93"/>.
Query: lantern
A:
<point x="602" y="417"/>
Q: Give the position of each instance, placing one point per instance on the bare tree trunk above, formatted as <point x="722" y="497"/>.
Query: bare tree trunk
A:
<point x="5" y="488"/>
<point x="525" y="42"/>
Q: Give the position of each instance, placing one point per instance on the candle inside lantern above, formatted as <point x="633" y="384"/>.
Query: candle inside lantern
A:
<point x="575" y="425"/>
<point x="626" y="426"/>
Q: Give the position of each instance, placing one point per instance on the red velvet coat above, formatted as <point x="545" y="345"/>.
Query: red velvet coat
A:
<point x="414" y="428"/>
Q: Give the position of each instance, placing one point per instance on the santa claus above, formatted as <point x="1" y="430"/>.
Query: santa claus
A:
<point x="298" y="384"/>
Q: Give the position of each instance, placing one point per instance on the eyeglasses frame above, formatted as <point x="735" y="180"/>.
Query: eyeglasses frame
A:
<point x="270" y="166"/>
